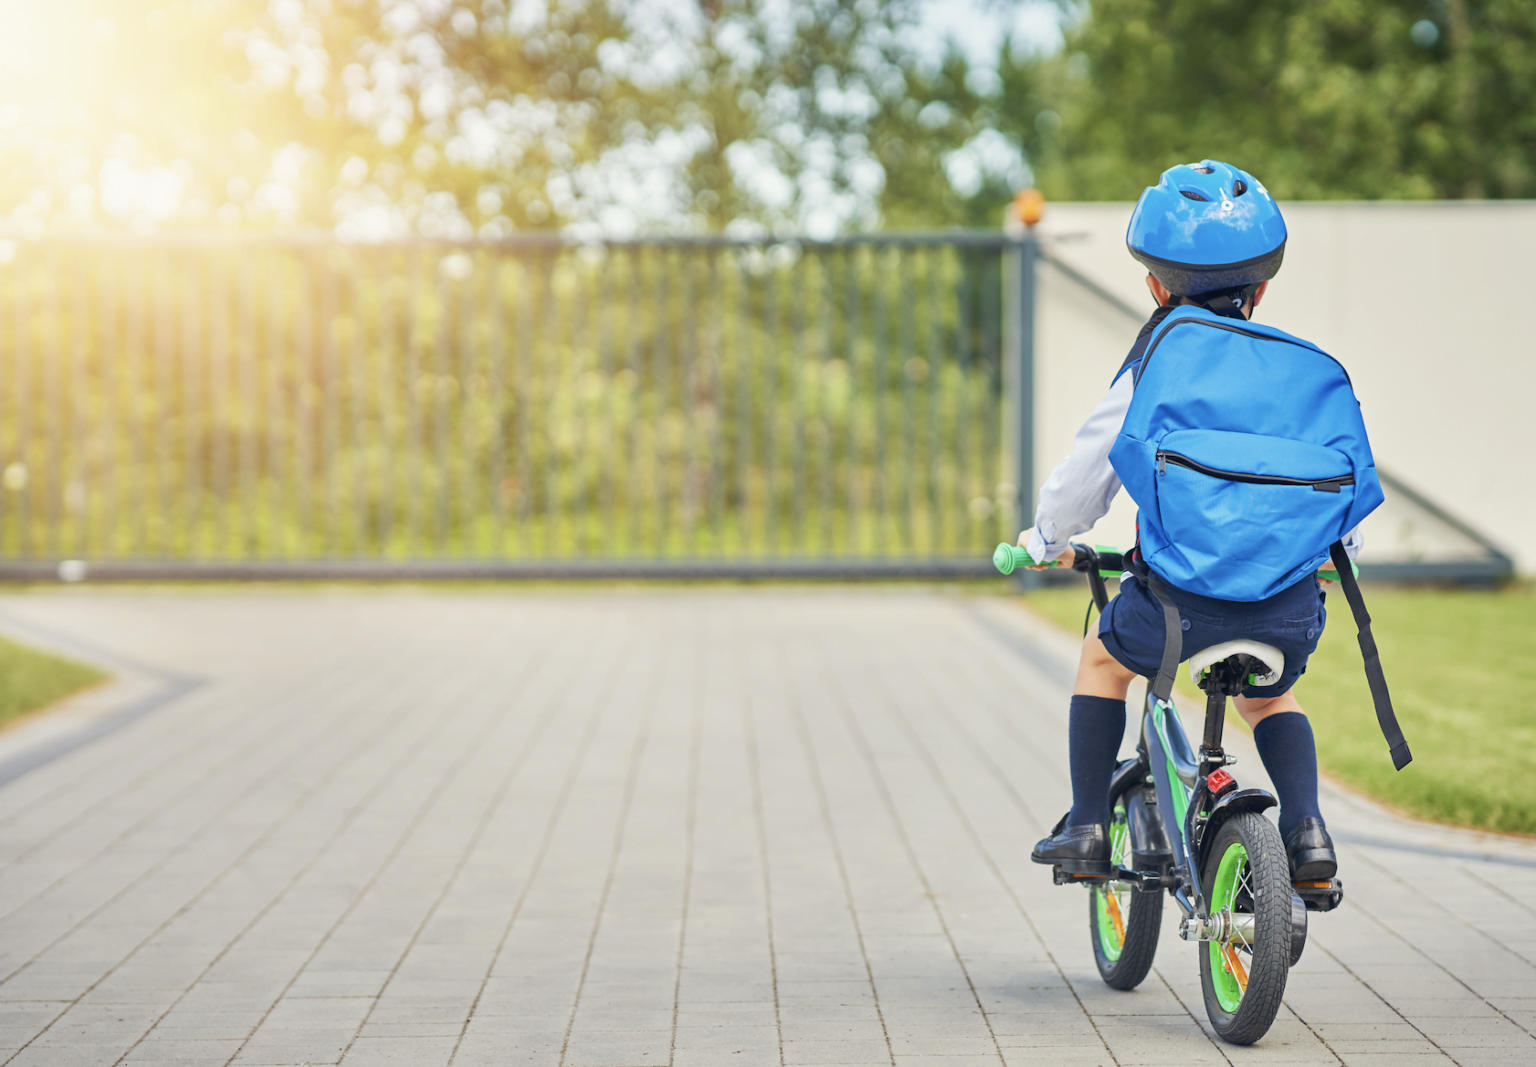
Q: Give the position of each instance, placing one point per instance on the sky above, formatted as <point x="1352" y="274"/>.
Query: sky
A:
<point x="979" y="27"/>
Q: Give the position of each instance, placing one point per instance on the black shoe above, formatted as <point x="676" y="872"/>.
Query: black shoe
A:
<point x="1076" y="849"/>
<point x="1311" y="852"/>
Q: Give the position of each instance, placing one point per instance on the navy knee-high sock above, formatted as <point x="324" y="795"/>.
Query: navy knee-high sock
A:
<point x="1094" y="730"/>
<point x="1290" y="756"/>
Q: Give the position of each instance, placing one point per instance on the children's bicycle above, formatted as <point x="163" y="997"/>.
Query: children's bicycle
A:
<point x="1180" y="823"/>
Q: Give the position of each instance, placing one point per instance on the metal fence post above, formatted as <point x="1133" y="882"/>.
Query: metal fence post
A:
<point x="1019" y="368"/>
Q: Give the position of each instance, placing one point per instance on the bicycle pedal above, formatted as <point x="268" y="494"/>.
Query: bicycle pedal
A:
<point x="1320" y="895"/>
<point x="1061" y="877"/>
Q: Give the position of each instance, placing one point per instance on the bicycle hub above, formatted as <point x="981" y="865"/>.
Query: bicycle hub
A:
<point x="1223" y="926"/>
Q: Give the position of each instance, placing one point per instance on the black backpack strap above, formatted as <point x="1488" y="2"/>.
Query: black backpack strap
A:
<point x="1139" y="348"/>
<point x="1173" y="639"/>
<point x="1387" y="719"/>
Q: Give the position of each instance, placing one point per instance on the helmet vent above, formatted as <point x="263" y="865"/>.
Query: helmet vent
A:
<point x="1194" y="195"/>
<point x="1239" y="187"/>
<point x="1202" y="170"/>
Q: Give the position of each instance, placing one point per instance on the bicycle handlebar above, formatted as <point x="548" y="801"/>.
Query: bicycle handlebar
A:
<point x="1110" y="562"/>
<point x="1097" y="563"/>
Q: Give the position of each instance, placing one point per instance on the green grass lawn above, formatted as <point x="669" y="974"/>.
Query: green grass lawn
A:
<point x="30" y="679"/>
<point x="1461" y="665"/>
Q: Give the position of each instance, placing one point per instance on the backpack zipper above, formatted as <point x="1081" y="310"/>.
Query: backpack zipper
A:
<point x="1318" y="485"/>
<point x="1167" y="329"/>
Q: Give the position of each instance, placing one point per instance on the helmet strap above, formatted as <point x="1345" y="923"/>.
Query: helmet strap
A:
<point x="1228" y="303"/>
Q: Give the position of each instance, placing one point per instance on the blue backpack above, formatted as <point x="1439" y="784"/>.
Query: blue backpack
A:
<point x="1245" y="450"/>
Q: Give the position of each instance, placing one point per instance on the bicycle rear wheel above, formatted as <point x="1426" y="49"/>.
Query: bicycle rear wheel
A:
<point x="1243" y="974"/>
<point x="1123" y="922"/>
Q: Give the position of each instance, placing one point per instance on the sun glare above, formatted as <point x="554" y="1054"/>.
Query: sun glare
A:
<point x="109" y="107"/>
<point x="51" y="53"/>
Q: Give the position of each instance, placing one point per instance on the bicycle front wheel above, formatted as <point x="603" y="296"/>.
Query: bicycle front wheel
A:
<point x="1123" y="922"/>
<point x="1247" y="884"/>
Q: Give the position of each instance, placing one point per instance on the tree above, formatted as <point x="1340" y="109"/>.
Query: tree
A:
<point x="429" y="115"/>
<point x="1320" y="98"/>
<point x="451" y="117"/>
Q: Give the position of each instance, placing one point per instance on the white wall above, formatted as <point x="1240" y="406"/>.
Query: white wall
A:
<point x="1426" y="304"/>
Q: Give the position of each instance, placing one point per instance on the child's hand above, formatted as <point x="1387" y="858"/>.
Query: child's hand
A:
<point x="1065" y="559"/>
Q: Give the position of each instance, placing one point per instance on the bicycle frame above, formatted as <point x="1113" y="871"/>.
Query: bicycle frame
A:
<point x="1188" y="814"/>
<point x="1180" y="779"/>
<point x="1175" y="774"/>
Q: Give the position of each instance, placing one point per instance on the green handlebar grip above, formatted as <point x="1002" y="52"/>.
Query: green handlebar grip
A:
<point x="1008" y="558"/>
<point x="1101" y="549"/>
<point x="1332" y="575"/>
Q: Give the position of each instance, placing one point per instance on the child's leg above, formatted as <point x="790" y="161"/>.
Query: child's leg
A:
<point x="1284" y="740"/>
<point x="1095" y="727"/>
<point x="1094" y="730"/>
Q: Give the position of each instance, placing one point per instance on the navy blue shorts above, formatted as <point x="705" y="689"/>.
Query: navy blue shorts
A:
<point x="1291" y="620"/>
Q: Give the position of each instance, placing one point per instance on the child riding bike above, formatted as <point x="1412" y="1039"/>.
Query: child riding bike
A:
<point x="1211" y="238"/>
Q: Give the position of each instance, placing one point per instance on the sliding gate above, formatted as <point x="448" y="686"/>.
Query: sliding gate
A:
<point x="280" y="407"/>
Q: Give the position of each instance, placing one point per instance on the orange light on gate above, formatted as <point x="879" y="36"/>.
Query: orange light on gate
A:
<point x="1029" y="206"/>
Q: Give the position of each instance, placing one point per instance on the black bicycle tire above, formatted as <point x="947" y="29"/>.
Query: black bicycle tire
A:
<point x="1143" y="923"/>
<point x="1270" y="963"/>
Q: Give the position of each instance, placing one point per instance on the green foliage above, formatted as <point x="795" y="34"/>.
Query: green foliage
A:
<point x="468" y="116"/>
<point x="30" y="679"/>
<point x="1338" y="99"/>
<point x="295" y="400"/>
<point x="810" y="90"/>
<point x="937" y="113"/>
<point x="1461" y="672"/>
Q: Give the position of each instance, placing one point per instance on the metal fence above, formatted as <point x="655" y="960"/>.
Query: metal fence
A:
<point x="696" y="406"/>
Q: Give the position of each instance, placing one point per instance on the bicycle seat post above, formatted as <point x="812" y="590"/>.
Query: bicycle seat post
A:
<point x="1224" y="678"/>
<point x="1228" y="678"/>
<point x="1211" y="755"/>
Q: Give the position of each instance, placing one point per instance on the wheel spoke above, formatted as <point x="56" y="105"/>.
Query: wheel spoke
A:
<point x="1235" y="967"/>
<point x="1113" y="900"/>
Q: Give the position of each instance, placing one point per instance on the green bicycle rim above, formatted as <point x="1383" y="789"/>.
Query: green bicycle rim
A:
<point x="1110" y="942"/>
<point x="1223" y="895"/>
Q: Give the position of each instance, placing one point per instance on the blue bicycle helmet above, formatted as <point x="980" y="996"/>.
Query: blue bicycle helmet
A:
<point x="1208" y="228"/>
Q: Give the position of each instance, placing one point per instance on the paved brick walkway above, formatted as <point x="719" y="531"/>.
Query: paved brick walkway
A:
<point x="701" y="828"/>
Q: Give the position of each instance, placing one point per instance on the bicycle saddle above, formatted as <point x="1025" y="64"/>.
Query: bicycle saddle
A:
<point x="1268" y="655"/>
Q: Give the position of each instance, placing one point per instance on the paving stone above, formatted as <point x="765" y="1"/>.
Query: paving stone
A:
<point x="815" y="1051"/>
<point x="382" y="1030"/>
<point x="636" y="1048"/>
<point x="734" y="1038"/>
<point x="684" y="827"/>
<point x="413" y="1051"/>
<point x="1085" y="1056"/>
<point x="287" y="1055"/>
<point x="713" y="1057"/>
<point x="205" y="1051"/>
<point x="864" y="1026"/>
<point x="475" y="1055"/>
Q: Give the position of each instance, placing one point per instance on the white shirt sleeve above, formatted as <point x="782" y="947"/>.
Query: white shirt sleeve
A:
<point x="1354" y="541"/>
<point x="1079" y="491"/>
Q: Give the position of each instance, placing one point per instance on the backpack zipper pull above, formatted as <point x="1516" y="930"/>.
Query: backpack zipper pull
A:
<point x="1162" y="463"/>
